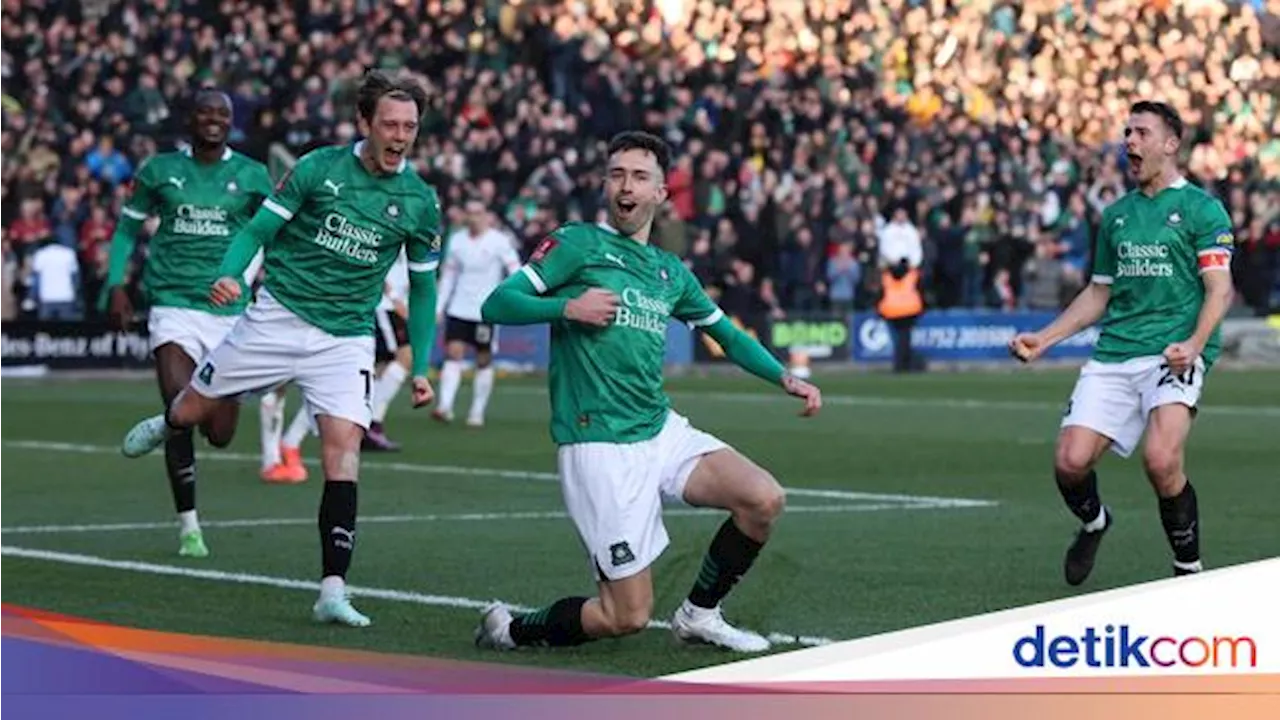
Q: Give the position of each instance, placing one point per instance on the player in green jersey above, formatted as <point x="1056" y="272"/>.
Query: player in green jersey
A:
<point x="1161" y="286"/>
<point x="331" y="233"/>
<point x="203" y="196"/>
<point x="608" y="294"/>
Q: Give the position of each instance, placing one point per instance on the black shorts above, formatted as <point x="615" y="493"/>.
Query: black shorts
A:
<point x="481" y="336"/>
<point x="389" y="333"/>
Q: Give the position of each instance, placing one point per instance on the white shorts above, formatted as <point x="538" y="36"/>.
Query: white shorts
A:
<point x="271" y="346"/>
<point x="195" y="331"/>
<point x="614" y="493"/>
<point x="1115" y="399"/>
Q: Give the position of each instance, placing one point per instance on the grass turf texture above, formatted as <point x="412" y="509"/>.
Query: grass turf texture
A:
<point x="874" y="566"/>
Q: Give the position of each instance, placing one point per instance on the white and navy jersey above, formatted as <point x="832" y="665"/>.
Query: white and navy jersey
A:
<point x="396" y="286"/>
<point x="473" y="267"/>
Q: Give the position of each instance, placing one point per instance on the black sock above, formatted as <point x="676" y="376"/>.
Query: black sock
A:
<point x="1081" y="497"/>
<point x="558" y="625"/>
<point x="337" y="526"/>
<point x="727" y="560"/>
<point x="1181" y="518"/>
<point x="180" y="465"/>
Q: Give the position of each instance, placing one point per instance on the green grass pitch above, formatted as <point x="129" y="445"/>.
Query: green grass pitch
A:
<point x="918" y="499"/>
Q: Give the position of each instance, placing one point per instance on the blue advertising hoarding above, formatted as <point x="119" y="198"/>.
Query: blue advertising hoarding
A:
<point x="963" y="335"/>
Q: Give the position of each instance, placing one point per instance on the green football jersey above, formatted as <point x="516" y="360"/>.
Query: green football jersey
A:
<point x="1151" y="250"/>
<point x="201" y="207"/>
<point x="345" y="227"/>
<point x="606" y="384"/>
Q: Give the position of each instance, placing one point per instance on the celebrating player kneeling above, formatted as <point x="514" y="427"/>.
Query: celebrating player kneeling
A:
<point x="608" y="294"/>
<point x="1161" y="285"/>
<point x="331" y="233"/>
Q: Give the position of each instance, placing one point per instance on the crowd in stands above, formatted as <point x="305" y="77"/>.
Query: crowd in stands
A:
<point x="815" y="140"/>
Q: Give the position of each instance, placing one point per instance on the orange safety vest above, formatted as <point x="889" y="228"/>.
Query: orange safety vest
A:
<point x="901" y="298"/>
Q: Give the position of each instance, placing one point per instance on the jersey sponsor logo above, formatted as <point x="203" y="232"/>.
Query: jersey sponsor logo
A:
<point x="641" y="312"/>
<point x="544" y="248"/>
<point x="201" y="221"/>
<point x="1140" y="260"/>
<point x="338" y="234"/>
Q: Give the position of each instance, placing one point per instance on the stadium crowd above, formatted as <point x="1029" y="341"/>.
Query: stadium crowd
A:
<point x="979" y="139"/>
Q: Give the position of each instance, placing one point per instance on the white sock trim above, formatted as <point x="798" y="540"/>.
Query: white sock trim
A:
<point x="1191" y="566"/>
<point x="333" y="586"/>
<point x="189" y="522"/>
<point x="1097" y="523"/>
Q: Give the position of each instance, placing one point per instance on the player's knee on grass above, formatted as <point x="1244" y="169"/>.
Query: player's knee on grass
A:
<point x="625" y="607"/>
<point x="626" y="618"/>
<point x="630" y="621"/>
<point x="219" y="428"/>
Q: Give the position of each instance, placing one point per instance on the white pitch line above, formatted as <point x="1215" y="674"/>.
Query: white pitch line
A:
<point x="503" y="474"/>
<point x="291" y="584"/>
<point x="454" y="517"/>
<point x="912" y="402"/>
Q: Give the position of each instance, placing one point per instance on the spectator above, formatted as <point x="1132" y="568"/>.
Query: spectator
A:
<point x="784" y="116"/>
<point x="54" y="281"/>
<point x="900" y="241"/>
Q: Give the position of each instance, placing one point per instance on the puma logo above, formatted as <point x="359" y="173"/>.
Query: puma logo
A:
<point x="614" y="259"/>
<point x="335" y="187"/>
<point x="177" y="182"/>
<point x="342" y="537"/>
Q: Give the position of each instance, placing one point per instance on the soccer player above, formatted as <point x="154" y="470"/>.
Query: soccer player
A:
<point x="392" y="352"/>
<point x="1161" y="285"/>
<point x="281" y="448"/>
<point x="203" y="196"/>
<point x="331" y="233"/>
<point x="608" y="294"/>
<point x="476" y="259"/>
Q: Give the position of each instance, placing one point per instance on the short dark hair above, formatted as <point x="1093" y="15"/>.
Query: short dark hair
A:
<point x="639" y="140"/>
<point x="378" y="84"/>
<point x="1167" y="114"/>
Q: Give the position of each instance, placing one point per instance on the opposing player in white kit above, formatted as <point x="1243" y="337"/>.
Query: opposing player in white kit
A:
<point x="1161" y="285"/>
<point x="282" y="448"/>
<point x="202" y="197"/>
<point x="476" y="260"/>
<point x="331" y="233"/>
<point x="393" y="354"/>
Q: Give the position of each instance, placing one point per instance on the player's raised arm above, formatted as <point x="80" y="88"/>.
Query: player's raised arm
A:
<point x="519" y="299"/>
<point x="700" y="311"/>
<point x="424" y="259"/>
